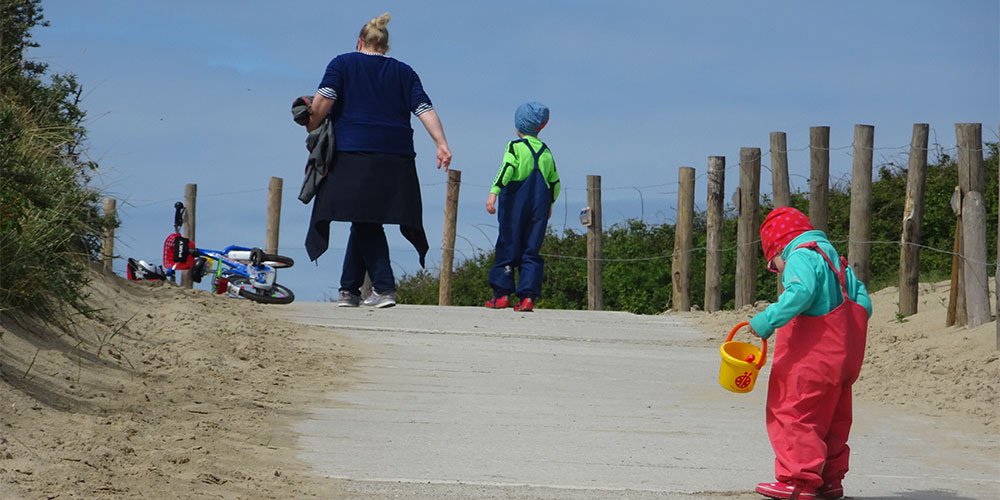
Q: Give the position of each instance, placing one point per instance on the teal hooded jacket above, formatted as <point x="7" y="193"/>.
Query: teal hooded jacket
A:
<point x="811" y="287"/>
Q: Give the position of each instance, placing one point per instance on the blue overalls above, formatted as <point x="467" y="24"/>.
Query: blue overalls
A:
<point x="523" y="215"/>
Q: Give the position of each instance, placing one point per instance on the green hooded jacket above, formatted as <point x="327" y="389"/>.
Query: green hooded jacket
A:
<point x="811" y="287"/>
<point x="518" y="164"/>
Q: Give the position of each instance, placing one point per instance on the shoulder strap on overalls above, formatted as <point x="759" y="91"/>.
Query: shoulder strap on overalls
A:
<point x="535" y="155"/>
<point x="513" y="152"/>
<point x="841" y="273"/>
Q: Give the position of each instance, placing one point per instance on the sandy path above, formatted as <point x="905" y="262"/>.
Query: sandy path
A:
<point x="177" y="393"/>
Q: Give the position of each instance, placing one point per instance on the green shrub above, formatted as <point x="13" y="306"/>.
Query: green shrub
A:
<point x="51" y="225"/>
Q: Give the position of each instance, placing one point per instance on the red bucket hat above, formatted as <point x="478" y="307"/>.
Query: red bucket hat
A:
<point x="781" y="226"/>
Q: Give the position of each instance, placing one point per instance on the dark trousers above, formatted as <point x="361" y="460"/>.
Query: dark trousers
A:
<point x="367" y="251"/>
<point x="517" y="248"/>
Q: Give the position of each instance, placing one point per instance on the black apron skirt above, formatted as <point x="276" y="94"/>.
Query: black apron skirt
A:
<point x="379" y="188"/>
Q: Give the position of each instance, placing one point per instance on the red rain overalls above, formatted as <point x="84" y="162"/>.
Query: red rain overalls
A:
<point x="809" y="414"/>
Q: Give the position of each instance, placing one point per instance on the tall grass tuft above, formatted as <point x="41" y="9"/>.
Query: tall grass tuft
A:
<point x="50" y="223"/>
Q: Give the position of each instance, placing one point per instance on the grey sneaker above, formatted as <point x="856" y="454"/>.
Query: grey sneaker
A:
<point x="380" y="300"/>
<point x="348" y="299"/>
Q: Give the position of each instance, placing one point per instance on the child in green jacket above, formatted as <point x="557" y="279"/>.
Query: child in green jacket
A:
<point x="525" y="187"/>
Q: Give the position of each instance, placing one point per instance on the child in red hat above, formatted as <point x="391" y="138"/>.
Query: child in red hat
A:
<point x="822" y="320"/>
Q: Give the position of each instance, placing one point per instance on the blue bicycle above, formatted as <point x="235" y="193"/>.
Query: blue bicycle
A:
<point x="236" y="270"/>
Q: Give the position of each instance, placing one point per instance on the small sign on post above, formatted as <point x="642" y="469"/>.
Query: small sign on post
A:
<point x="956" y="201"/>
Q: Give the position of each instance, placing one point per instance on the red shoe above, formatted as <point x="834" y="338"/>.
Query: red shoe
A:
<point x="831" y="491"/>
<point x="786" y="490"/>
<point x="526" y="305"/>
<point x="498" y="303"/>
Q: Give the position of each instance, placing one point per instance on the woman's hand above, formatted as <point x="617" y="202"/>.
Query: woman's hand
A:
<point x="443" y="156"/>
<point x="433" y="125"/>
<point x="491" y="202"/>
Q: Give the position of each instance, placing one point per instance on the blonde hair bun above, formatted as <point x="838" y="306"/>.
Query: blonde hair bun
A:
<point x="375" y="35"/>
<point x="380" y="21"/>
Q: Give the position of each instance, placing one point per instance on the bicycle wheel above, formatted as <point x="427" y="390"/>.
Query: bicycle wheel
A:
<point x="277" y="294"/>
<point x="277" y="261"/>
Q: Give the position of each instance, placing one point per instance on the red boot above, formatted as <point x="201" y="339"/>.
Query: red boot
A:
<point x="526" y="305"/>
<point x="498" y="303"/>
<point x="786" y="490"/>
<point x="831" y="491"/>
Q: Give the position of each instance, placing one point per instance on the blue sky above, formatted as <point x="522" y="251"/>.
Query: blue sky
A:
<point x="200" y="92"/>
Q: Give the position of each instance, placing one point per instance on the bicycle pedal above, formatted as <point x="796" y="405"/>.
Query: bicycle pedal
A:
<point x="221" y="286"/>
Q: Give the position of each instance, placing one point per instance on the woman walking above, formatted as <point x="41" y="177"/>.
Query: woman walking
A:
<point x="369" y="97"/>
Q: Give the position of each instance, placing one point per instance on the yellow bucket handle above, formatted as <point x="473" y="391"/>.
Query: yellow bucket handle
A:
<point x="763" y="352"/>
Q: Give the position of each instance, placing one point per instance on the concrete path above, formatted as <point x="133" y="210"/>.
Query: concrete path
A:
<point x="464" y="402"/>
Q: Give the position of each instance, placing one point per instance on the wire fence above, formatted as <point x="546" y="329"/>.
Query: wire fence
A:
<point x="662" y="189"/>
<point x="738" y="246"/>
<point x="477" y="250"/>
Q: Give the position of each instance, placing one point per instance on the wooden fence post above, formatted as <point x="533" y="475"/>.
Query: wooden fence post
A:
<point x="713" y="239"/>
<point x="956" y="296"/>
<point x="819" y="177"/>
<point x="972" y="181"/>
<point x="971" y="169"/>
<point x="190" y="201"/>
<point x="977" y="284"/>
<point x="680" y="269"/>
<point x="913" y="218"/>
<point x="780" y="185"/>
<point x="273" y="215"/>
<point x="448" y="236"/>
<point x="859" y="245"/>
<point x="108" y="246"/>
<point x="746" y="230"/>
<point x="595" y="246"/>
<point x="780" y="189"/>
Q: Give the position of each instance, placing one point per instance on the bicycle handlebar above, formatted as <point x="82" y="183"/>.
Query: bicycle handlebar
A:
<point x="178" y="216"/>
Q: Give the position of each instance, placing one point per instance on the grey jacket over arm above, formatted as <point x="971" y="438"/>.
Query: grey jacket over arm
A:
<point x="321" y="145"/>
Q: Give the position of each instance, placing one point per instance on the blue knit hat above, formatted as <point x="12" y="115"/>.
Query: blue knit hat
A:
<point x="531" y="117"/>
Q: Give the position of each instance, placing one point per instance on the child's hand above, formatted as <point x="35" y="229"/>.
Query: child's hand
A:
<point x="491" y="202"/>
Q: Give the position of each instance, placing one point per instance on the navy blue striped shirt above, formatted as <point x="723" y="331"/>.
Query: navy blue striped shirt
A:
<point x="374" y="96"/>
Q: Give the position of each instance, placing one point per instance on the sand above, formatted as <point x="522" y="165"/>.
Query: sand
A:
<point x="173" y="393"/>
<point x="167" y="393"/>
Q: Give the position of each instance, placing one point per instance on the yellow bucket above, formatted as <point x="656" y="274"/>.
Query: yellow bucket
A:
<point x="739" y="370"/>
